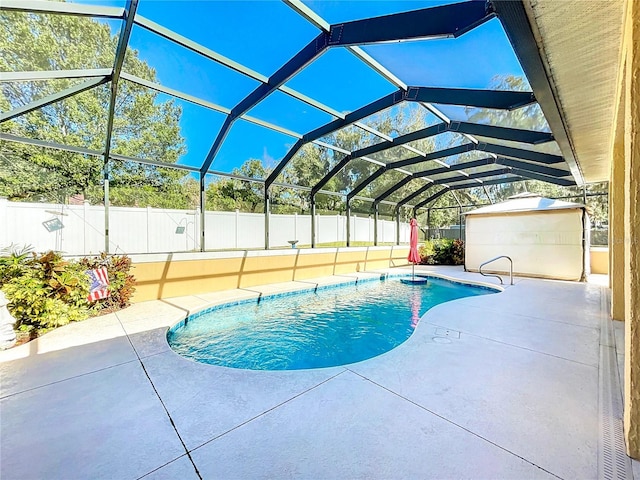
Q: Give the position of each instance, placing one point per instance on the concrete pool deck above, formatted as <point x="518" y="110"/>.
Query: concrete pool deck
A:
<point x="495" y="386"/>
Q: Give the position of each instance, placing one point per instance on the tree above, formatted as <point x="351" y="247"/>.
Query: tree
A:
<point x="313" y="162"/>
<point x="143" y="126"/>
<point x="529" y="117"/>
<point x="229" y="194"/>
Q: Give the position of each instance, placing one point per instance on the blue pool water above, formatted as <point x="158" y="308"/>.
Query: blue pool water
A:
<point x="330" y="327"/>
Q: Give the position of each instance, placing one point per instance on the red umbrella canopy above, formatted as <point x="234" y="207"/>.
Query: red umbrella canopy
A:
<point x="414" y="256"/>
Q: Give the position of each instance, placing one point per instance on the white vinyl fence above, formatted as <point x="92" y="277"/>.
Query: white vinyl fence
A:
<point x="79" y="229"/>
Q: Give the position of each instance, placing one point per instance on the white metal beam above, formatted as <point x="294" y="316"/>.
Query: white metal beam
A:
<point x="200" y="49"/>
<point x="319" y="22"/>
<point x="204" y="103"/>
<point x="144" y="161"/>
<point x="47" y="144"/>
<point x="378" y="67"/>
<point x="311" y="16"/>
<point x="227" y="62"/>
<point x="331" y="147"/>
<point x="67" y="8"/>
<point x="310" y="101"/>
<point x="6" y="77"/>
<point x="49" y="99"/>
<point x="372" y="130"/>
<point x="174" y="93"/>
<point x="271" y="126"/>
<point x="123" y="158"/>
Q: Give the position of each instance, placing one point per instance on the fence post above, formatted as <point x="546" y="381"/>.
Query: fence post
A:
<point x="375" y="224"/>
<point x="295" y="226"/>
<point x="203" y="212"/>
<point x="148" y="223"/>
<point x="4" y="204"/>
<point x="196" y="237"/>
<point x="85" y="215"/>
<point x="313" y="222"/>
<point x="106" y="202"/>
<point x="267" y="220"/>
<point x="236" y="226"/>
<point x="348" y="224"/>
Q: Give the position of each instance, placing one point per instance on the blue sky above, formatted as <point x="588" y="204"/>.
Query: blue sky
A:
<point x="263" y="35"/>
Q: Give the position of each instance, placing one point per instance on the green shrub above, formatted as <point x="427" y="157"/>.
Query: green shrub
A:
<point x="46" y="291"/>
<point x="12" y="261"/>
<point x="443" y="251"/>
<point x="426" y="252"/>
<point x="457" y="252"/>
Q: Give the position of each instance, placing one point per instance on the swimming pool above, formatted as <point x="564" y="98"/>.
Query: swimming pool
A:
<point x="313" y="329"/>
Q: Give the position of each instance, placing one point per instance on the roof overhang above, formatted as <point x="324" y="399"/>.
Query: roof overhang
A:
<point x="580" y="45"/>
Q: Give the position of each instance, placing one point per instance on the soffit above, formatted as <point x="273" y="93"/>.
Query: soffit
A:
<point x="580" y="42"/>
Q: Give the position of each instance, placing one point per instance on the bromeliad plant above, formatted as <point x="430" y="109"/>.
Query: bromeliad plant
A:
<point x="46" y="291"/>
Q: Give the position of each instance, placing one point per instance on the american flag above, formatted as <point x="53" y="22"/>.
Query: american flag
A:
<point x="99" y="283"/>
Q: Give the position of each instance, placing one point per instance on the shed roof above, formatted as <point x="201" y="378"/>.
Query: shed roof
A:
<point x="525" y="204"/>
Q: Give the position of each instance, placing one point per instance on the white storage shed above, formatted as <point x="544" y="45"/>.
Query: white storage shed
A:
<point x="544" y="238"/>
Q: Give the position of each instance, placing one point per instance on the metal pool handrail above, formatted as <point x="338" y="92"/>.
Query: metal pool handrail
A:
<point x="498" y="276"/>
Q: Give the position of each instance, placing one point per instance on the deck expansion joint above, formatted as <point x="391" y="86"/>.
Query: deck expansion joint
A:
<point x="448" y="420"/>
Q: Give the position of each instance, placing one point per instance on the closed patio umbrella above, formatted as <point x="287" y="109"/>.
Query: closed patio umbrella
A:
<point x="414" y="256"/>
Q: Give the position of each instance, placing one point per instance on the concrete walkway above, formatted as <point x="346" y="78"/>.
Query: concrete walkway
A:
<point x="502" y="386"/>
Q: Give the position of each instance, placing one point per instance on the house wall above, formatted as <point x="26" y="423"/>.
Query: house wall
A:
<point x="542" y="244"/>
<point x="625" y="221"/>
<point x="599" y="260"/>
<point x="173" y="275"/>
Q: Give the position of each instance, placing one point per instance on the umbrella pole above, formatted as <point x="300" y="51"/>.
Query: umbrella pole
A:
<point x="413" y="270"/>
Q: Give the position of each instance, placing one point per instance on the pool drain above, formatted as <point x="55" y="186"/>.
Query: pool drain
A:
<point x="445" y="332"/>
